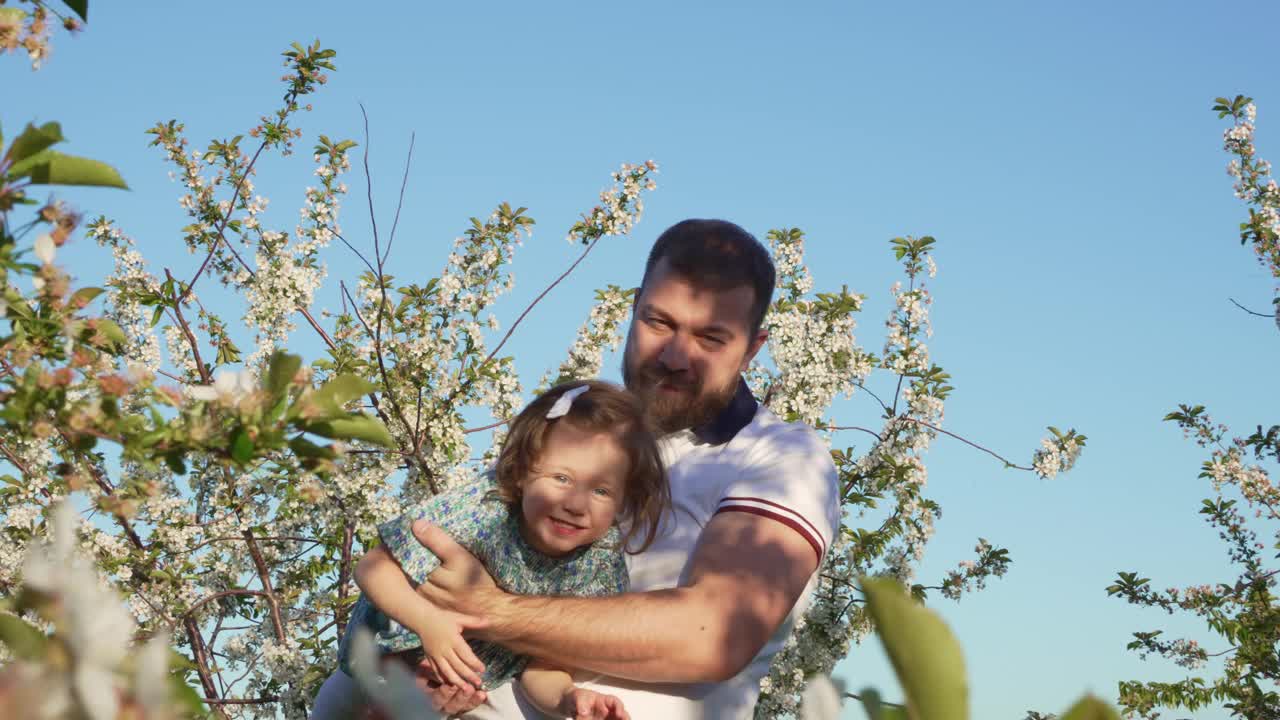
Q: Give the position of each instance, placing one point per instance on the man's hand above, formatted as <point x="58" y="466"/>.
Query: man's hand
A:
<point x="461" y="583"/>
<point x="448" y="699"/>
<point x="583" y="704"/>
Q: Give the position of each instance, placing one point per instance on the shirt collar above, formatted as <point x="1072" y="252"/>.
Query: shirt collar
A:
<point x="735" y="416"/>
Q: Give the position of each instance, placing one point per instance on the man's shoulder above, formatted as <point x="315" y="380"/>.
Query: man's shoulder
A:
<point x="768" y="435"/>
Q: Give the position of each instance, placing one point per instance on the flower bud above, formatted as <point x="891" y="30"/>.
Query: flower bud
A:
<point x="45" y="250"/>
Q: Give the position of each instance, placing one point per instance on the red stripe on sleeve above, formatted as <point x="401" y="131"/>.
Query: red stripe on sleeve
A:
<point x="813" y="540"/>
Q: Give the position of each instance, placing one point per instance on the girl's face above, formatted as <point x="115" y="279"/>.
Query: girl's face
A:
<point x="574" y="492"/>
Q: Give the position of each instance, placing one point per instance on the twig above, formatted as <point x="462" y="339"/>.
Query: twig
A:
<point x="368" y="183"/>
<point x="264" y="576"/>
<point x="867" y="390"/>
<point x="270" y="538"/>
<point x="464" y="385"/>
<point x="1251" y="312"/>
<point x="222" y="227"/>
<point x="541" y="295"/>
<point x="858" y="697"/>
<point x="968" y="442"/>
<point x="200" y="655"/>
<point x="250" y="701"/>
<point x="486" y="427"/>
<point x="210" y="598"/>
<point x="358" y="254"/>
<point x="872" y="433"/>
<point x="186" y="330"/>
<point x="404" y="182"/>
<point x="344" y="578"/>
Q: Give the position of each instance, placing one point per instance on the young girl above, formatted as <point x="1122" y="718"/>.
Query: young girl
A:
<point x="543" y="522"/>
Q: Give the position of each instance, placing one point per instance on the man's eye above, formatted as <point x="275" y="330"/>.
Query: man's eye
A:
<point x="712" y="340"/>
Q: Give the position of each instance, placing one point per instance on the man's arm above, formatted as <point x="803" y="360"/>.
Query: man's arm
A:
<point x="747" y="573"/>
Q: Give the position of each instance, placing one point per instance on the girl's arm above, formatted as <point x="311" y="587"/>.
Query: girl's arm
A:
<point x="390" y="590"/>
<point x="552" y="690"/>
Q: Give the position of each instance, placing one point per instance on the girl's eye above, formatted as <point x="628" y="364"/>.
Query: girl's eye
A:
<point x="604" y="492"/>
<point x="560" y="478"/>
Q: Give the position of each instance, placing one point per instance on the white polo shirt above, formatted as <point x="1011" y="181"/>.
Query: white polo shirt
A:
<point x="749" y="461"/>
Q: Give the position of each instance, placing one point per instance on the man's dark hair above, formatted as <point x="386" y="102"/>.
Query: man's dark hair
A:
<point x="718" y="255"/>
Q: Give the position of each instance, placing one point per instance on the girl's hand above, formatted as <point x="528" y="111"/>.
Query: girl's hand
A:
<point x="584" y="704"/>
<point x="447" y="653"/>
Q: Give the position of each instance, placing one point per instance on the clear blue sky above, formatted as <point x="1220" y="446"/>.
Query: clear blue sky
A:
<point x="1062" y="153"/>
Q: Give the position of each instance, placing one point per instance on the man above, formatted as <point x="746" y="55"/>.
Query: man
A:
<point x="755" y="507"/>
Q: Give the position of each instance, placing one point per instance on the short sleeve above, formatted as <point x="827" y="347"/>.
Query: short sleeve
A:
<point x="467" y="513"/>
<point x="788" y="476"/>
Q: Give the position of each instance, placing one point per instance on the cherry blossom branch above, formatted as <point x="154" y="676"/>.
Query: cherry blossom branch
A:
<point x="186" y="331"/>
<point x="463" y="386"/>
<point x="199" y="653"/>
<point x="490" y="426"/>
<point x="870" y="432"/>
<point x="190" y="613"/>
<point x="264" y="576"/>
<point x="968" y="442"/>
<point x="344" y="579"/>
<point x="249" y="701"/>
<point x="21" y="467"/>
<point x="222" y="227"/>
<point x="541" y="295"/>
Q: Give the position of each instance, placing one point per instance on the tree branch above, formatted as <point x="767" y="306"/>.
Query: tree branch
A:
<point x="1251" y="312"/>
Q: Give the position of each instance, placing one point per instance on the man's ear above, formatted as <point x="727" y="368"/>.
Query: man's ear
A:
<point x="757" y="342"/>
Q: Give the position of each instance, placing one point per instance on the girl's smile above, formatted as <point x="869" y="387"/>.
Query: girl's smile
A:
<point x="574" y="493"/>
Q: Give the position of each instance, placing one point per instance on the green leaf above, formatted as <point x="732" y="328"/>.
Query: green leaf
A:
<point x="54" y="168"/>
<point x="22" y="639"/>
<point x="85" y="295"/>
<point x="111" y="331"/>
<point x="241" y="446"/>
<point x="283" y="367"/>
<point x="175" y="463"/>
<point x="186" y="697"/>
<point x="356" y="427"/>
<point x="924" y="653"/>
<point x="342" y="390"/>
<point x="304" y="448"/>
<point x="80" y="7"/>
<point x="1091" y="708"/>
<point x="32" y="140"/>
<point x="880" y="710"/>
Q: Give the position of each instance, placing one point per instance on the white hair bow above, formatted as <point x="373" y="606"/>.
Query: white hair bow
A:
<point x="565" y="401"/>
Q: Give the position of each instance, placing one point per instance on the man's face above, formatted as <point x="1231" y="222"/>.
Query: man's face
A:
<point x="687" y="347"/>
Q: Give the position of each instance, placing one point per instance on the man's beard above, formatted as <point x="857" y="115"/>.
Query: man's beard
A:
<point x="693" y="406"/>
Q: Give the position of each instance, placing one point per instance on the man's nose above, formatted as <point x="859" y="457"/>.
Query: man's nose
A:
<point x="675" y="355"/>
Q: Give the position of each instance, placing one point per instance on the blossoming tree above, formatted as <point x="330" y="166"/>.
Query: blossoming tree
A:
<point x="227" y="487"/>
<point x="1244" y="613"/>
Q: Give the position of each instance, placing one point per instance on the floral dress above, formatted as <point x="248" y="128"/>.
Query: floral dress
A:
<point x="475" y="518"/>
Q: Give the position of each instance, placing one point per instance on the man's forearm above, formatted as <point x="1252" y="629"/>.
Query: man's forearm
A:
<point x="663" y="636"/>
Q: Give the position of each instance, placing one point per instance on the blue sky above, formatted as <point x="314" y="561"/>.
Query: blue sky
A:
<point x="1063" y="154"/>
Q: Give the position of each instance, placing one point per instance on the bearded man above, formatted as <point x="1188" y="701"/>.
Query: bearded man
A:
<point x="755" y="504"/>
